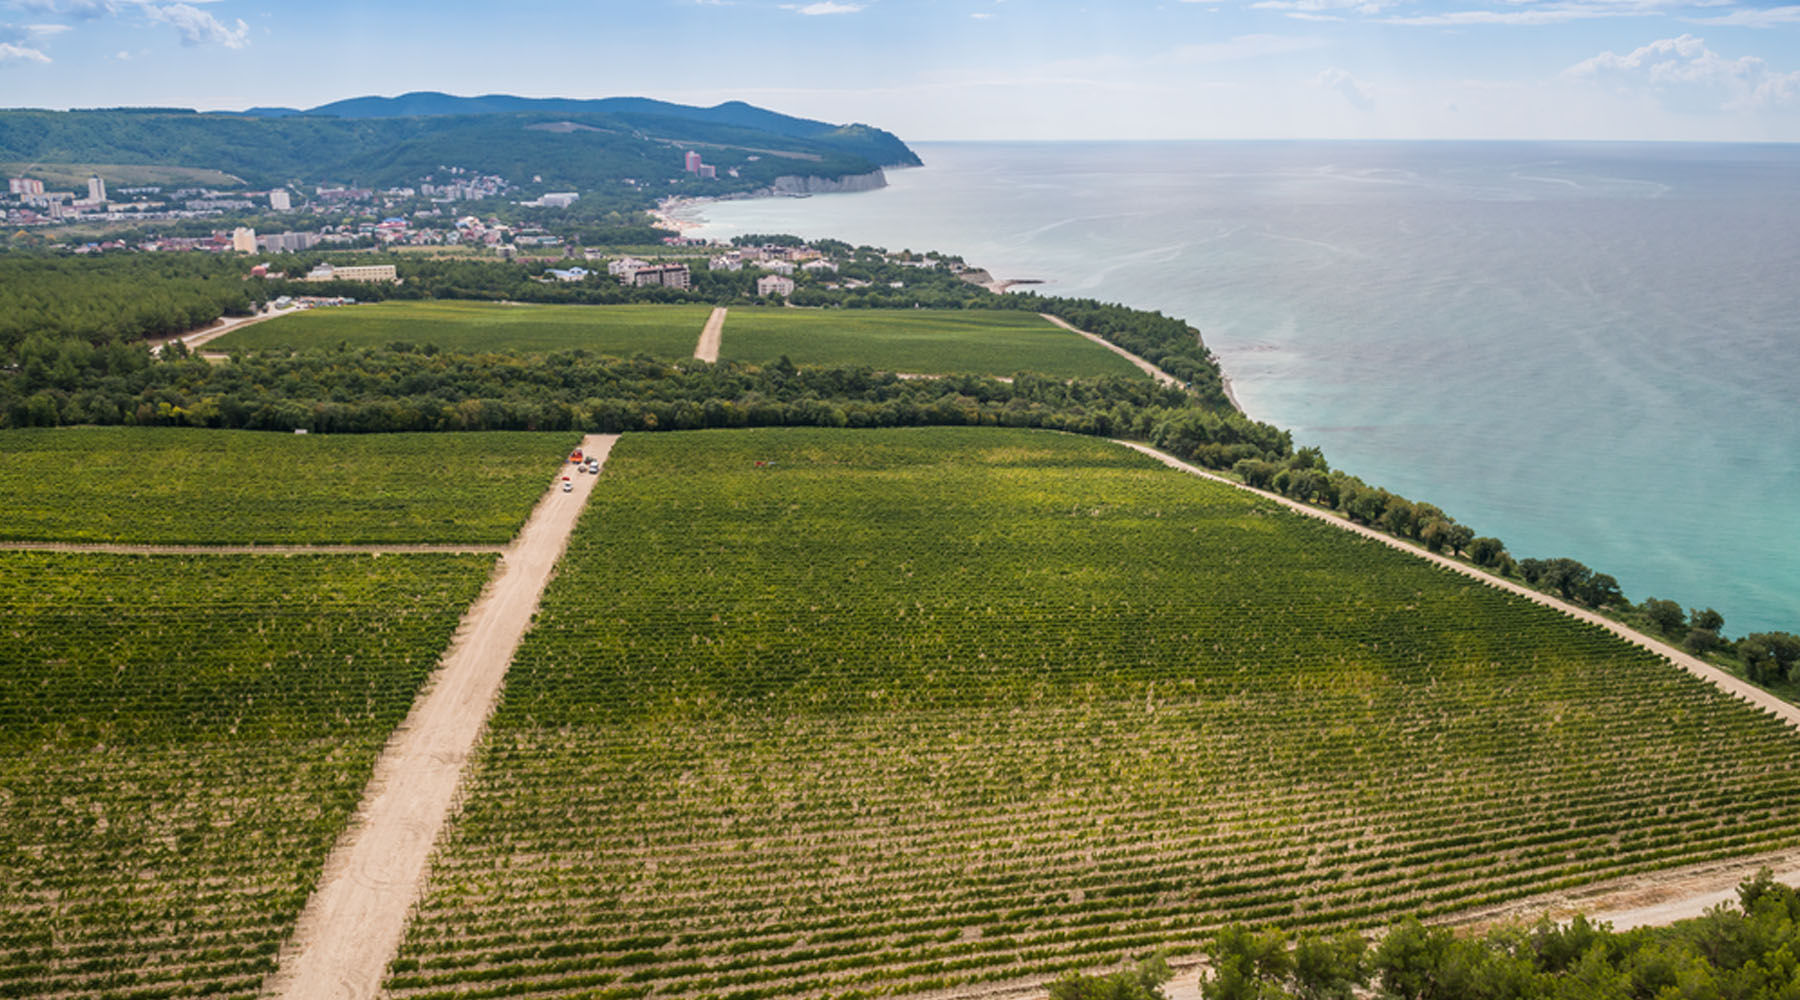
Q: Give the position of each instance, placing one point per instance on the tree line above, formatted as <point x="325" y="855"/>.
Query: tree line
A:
<point x="1744" y="951"/>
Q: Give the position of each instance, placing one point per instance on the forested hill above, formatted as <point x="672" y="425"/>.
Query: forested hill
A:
<point x="884" y="148"/>
<point x="581" y="150"/>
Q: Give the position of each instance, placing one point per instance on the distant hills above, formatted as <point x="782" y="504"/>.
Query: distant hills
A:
<point x="382" y="141"/>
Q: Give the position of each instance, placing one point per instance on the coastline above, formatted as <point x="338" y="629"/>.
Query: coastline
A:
<point x="1225" y="382"/>
<point x="667" y="215"/>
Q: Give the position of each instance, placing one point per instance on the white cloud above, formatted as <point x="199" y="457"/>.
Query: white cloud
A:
<point x="67" y="8"/>
<point x="1531" y="12"/>
<point x="1342" y="82"/>
<point x="1548" y="14"/>
<point x="1684" y="75"/>
<point x="20" y="53"/>
<point x="1323" y="7"/>
<point x="46" y="29"/>
<point x="198" y="27"/>
<point x="1754" y="17"/>
<point x="824" y="7"/>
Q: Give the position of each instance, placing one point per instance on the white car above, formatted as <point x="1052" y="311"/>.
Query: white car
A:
<point x="568" y="485"/>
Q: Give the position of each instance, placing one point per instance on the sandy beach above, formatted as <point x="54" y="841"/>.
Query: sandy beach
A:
<point x="665" y="213"/>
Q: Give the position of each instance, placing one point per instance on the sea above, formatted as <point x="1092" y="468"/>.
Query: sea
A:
<point x="1587" y="350"/>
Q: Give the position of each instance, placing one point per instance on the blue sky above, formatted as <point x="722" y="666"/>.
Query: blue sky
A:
<point x="968" y="69"/>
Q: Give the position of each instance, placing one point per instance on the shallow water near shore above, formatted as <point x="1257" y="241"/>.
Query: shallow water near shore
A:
<point x="1585" y="349"/>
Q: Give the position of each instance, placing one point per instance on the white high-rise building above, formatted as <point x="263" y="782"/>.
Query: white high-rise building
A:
<point x="279" y="201"/>
<point x="243" y="239"/>
<point x="96" y="190"/>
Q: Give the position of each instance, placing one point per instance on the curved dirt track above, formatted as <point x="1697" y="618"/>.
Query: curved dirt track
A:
<point x="219" y="328"/>
<point x="711" y="336"/>
<point x="152" y="549"/>
<point x="1146" y="367"/>
<point x="352" y="925"/>
<point x="1648" y="899"/>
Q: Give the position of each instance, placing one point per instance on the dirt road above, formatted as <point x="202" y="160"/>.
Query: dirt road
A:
<point x="711" y="336"/>
<point x="219" y="328"/>
<point x="352" y="926"/>
<point x="1149" y="369"/>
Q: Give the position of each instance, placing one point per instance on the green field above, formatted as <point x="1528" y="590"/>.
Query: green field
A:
<point x="176" y="486"/>
<point x="182" y="739"/>
<point x="921" y="341"/>
<point x="472" y="327"/>
<point x="845" y="713"/>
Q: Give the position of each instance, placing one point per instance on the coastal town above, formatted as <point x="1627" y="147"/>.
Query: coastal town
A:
<point x="438" y="213"/>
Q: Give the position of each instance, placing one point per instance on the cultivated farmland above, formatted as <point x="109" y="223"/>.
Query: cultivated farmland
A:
<point x="924" y="341"/>
<point x="662" y="331"/>
<point x="814" y="713"/>
<point x="181" y="740"/>
<point x="205" y="487"/>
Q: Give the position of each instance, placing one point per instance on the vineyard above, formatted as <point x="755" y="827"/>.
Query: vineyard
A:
<point x="663" y="331"/>
<point x="181" y="741"/>
<point x="812" y="713"/>
<point x="177" y="486"/>
<point x="926" y="341"/>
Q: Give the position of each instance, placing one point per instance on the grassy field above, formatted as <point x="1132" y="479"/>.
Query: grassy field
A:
<point x="179" y="486"/>
<point x="660" y="331"/>
<point x="181" y="742"/>
<point x="924" y="341"/>
<point x="811" y="713"/>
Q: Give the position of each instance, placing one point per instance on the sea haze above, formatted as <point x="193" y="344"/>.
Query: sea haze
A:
<point x="1585" y="349"/>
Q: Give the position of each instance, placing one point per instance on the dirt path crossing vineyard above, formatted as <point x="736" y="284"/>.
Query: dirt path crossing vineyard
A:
<point x="1149" y="369"/>
<point x="352" y="925"/>
<point x="711" y="336"/>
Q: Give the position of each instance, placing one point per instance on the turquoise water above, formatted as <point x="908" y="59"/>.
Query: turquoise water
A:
<point x="1585" y="349"/>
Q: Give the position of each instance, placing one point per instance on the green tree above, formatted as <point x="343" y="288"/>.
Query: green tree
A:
<point x="1248" y="964"/>
<point x="1665" y="615"/>
<point x="1143" y="981"/>
<point x="1330" y="968"/>
<point x="1486" y="551"/>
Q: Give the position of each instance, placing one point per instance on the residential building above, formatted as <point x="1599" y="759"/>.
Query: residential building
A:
<point x="96" y="190"/>
<point x="558" y="199"/>
<point x="779" y="267"/>
<point x="671" y="275"/>
<point x="572" y="274"/>
<point x="288" y="242"/>
<point x="624" y="266"/>
<point x="243" y="240"/>
<point x="693" y="162"/>
<point x="726" y="262"/>
<point x="707" y="172"/>
<point x="279" y="200"/>
<point x="359" y="272"/>
<point x="819" y="265"/>
<point x="774" y="284"/>
<point x="28" y="186"/>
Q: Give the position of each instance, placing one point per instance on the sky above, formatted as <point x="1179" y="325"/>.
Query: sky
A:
<point x="1716" y="70"/>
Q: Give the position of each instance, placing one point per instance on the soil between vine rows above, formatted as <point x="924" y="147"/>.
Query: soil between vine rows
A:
<point x="181" y="739"/>
<point x="815" y="713"/>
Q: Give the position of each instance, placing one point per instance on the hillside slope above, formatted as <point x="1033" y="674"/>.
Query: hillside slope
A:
<point x="565" y="148"/>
